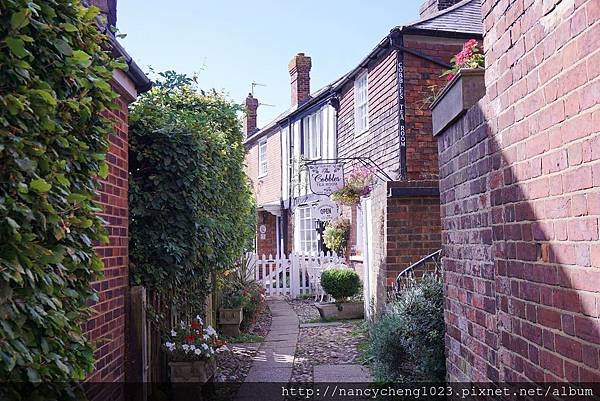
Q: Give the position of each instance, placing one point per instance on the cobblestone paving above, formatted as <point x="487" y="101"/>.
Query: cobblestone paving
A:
<point x="305" y="309"/>
<point x="326" y="345"/>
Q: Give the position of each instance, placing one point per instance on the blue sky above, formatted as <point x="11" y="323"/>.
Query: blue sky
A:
<point x="232" y="43"/>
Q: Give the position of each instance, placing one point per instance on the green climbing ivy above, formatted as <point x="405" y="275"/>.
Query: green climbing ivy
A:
<point x="54" y="88"/>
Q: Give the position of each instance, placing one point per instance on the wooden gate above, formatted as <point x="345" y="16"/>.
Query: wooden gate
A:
<point x="296" y="274"/>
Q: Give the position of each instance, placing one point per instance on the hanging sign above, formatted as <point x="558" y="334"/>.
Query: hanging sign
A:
<point x="326" y="178"/>
<point x="326" y="210"/>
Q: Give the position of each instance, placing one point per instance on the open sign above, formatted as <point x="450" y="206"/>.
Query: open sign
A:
<point x="326" y="210"/>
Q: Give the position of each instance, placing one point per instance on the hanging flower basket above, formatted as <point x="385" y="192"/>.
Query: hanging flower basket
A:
<point x="358" y="184"/>
<point x="191" y="351"/>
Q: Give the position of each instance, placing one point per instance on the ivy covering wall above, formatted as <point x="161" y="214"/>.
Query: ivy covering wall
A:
<point x="191" y="208"/>
<point x="54" y="86"/>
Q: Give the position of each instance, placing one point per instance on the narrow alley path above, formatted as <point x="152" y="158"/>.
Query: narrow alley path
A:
<point x="275" y="357"/>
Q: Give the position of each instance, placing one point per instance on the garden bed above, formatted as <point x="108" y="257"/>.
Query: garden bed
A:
<point x="233" y="365"/>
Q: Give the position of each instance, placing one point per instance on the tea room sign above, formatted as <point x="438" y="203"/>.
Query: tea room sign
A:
<point x="326" y="178"/>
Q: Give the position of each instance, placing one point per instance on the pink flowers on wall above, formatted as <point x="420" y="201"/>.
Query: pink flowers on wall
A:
<point x="469" y="57"/>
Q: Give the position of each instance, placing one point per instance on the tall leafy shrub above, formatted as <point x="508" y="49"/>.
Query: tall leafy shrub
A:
<point x="190" y="202"/>
<point x="407" y="342"/>
<point x="54" y="75"/>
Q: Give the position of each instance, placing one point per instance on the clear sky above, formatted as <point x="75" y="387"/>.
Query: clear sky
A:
<point x="232" y="43"/>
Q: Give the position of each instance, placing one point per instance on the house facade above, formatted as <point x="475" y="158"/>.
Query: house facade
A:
<point x="375" y="115"/>
<point x="390" y="127"/>
<point x="275" y="164"/>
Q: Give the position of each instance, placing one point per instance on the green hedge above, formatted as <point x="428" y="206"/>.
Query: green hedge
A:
<point x="407" y="341"/>
<point x="190" y="200"/>
<point x="54" y="85"/>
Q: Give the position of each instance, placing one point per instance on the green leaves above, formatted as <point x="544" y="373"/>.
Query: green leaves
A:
<point x="190" y="207"/>
<point x="40" y="185"/>
<point x="51" y="144"/>
<point x="20" y="19"/>
<point x="81" y="58"/>
<point x="63" y="47"/>
<point x="16" y="46"/>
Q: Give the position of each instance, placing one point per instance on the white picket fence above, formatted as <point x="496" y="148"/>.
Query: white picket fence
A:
<point x="296" y="274"/>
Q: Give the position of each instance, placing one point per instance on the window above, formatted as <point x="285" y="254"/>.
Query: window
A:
<point x="262" y="158"/>
<point x="311" y="131"/>
<point x="361" y="104"/>
<point x="307" y="229"/>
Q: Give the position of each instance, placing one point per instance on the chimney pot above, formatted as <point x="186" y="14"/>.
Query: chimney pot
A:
<point x="299" y="69"/>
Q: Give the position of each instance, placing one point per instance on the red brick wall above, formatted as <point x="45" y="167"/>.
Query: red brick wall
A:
<point x="405" y="229"/>
<point x="413" y="229"/>
<point x="107" y="326"/>
<point x="422" y="77"/>
<point x="472" y="339"/>
<point x="268" y="245"/>
<point x="520" y="175"/>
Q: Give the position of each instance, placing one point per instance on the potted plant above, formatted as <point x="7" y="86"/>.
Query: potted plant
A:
<point x="191" y="351"/>
<point x="465" y="86"/>
<point x="336" y="234"/>
<point x="231" y="312"/>
<point x="341" y="283"/>
<point x="359" y="183"/>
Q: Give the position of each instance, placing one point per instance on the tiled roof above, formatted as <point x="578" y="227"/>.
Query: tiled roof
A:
<point x="463" y="17"/>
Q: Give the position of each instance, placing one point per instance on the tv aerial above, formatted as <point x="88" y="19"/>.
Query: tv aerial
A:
<point x="254" y="85"/>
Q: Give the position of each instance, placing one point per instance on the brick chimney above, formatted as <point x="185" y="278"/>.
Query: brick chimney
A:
<point x="299" y="68"/>
<point x="430" y="7"/>
<point x="250" y="120"/>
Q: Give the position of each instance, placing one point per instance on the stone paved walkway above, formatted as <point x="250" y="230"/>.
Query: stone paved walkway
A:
<point x="275" y="357"/>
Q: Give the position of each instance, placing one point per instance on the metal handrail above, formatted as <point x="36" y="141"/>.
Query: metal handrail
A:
<point x="408" y="272"/>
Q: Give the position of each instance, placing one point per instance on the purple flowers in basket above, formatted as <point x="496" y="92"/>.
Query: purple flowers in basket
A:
<point x="359" y="183"/>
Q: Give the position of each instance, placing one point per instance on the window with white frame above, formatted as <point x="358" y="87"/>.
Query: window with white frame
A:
<point x="307" y="229"/>
<point x="311" y="136"/>
<point x="262" y="158"/>
<point x="361" y="103"/>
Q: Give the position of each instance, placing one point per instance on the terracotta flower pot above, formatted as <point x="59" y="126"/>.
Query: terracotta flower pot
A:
<point x="193" y="371"/>
<point x="229" y="321"/>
